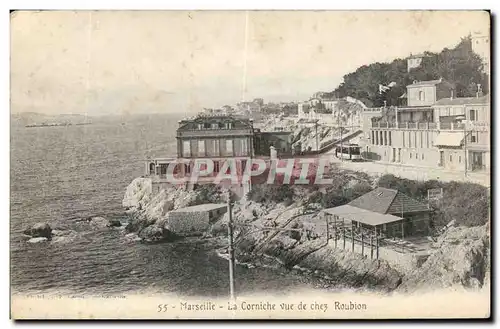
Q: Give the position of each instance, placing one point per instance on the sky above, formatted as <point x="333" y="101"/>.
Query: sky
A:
<point x="114" y="62"/>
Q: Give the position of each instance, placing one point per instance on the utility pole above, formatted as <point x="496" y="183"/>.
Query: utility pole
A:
<point x="465" y="144"/>
<point x="317" y="137"/>
<point x="231" y="247"/>
<point x="341" y="142"/>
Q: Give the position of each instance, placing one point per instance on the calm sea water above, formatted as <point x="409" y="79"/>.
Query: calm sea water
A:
<point x="60" y="175"/>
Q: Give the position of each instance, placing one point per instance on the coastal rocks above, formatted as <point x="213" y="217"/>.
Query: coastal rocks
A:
<point x="39" y="230"/>
<point x="137" y="193"/>
<point x="101" y="222"/>
<point x="63" y="236"/>
<point x="37" y="240"/>
<point x="461" y="259"/>
<point x="114" y="223"/>
<point x="155" y="233"/>
<point x="132" y="237"/>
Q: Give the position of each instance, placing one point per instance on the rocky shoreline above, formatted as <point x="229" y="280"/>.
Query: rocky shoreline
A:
<point x="309" y="254"/>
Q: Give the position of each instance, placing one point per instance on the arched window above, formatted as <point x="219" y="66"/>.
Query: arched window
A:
<point x="421" y="96"/>
<point x="152" y="168"/>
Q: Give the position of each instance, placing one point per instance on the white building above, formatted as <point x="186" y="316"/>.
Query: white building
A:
<point x="481" y="46"/>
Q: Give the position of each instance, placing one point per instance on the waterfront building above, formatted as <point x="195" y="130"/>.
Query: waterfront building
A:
<point x="217" y="137"/>
<point x="435" y="129"/>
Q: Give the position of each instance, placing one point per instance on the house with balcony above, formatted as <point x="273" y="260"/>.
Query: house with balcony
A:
<point x="219" y="138"/>
<point x="434" y="130"/>
<point x="472" y="114"/>
<point x="216" y="137"/>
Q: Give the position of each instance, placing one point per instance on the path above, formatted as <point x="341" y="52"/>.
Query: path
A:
<point x="414" y="172"/>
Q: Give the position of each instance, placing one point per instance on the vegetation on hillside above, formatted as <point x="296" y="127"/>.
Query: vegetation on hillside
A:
<point x="460" y="66"/>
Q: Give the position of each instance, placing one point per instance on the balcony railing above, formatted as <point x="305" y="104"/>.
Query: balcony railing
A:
<point x="432" y="125"/>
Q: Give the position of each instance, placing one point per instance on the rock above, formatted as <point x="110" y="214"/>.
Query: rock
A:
<point x="58" y="232"/>
<point x="25" y="237"/>
<point x="114" y="223"/>
<point x="39" y="239"/>
<point x="39" y="230"/>
<point x="154" y="233"/>
<point x="98" y="221"/>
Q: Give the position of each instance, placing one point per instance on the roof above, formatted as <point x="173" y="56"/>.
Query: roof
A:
<point x="463" y="101"/>
<point x="388" y="201"/>
<point x="453" y="139"/>
<point x="202" y="207"/>
<point x="371" y="218"/>
<point x="429" y="83"/>
<point x="417" y="56"/>
<point x="414" y="108"/>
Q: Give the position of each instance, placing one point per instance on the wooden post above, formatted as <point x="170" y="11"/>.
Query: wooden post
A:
<point x="376" y="241"/>
<point x="352" y="235"/>
<point x="327" y="228"/>
<point x="402" y="235"/>
<point x="362" y="242"/>
<point x="335" y="229"/>
<point x="371" y="246"/>
<point x="343" y="230"/>
<point x="231" y="248"/>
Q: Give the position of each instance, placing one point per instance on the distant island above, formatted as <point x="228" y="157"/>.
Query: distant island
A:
<point x="57" y="124"/>
<point x="34" y="119"/>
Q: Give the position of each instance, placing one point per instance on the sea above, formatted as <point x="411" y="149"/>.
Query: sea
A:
<point x="62" y="175"/>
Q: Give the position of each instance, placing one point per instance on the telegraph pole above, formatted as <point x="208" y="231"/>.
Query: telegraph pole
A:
<point x="465" y="145"/>
<point x="231" y="247"/>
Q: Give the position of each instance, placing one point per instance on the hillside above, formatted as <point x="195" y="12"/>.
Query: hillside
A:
<point x="460" y="66"/>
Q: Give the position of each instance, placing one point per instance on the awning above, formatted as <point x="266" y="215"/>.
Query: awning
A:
<point x="449" y="139"/>
<point x="361" y="215"/>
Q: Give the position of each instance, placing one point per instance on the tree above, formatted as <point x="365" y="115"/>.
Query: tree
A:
<point x="459" y="66"/>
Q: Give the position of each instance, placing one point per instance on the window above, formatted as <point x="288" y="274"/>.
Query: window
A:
<point x="376" y="138"/>
<point x="373" y="137"/>
<point x="459" y="159"/>
<point x="200" y="126"/>
<point x="206" y="125"/>
<point x="474" y="137"/>
<point x="229" y="125"/>
<point x="410" y="155"/>
<point x="416" y="156"/>
<point x="241" y="147"/>
<point x="216" y="166"/>
<point x="381" y="138"/>
<point x="186" y="148"/>
<point x="427" y="138"/>
<point x="216" y="147"/>
<point x="229" y="147"/>
<point x="422" y="156"/>
<point x="421" y="96"/>
<point x="421" y="139"/>
<point x="201" y="147"/>
<point x="451" y="158"/>
<point x="472" y="115"/>
<point x="215" y="126"/>
<point x="409" y="139"/>
<point x="385" y="137"/>
<point x="404" y="139"/>
<point x="390" y="138"/>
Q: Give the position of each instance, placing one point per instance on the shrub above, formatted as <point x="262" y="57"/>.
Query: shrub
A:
<point x="466" y="203"/>
<point x="272" y="193"/>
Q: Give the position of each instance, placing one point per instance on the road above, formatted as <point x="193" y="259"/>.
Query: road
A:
<point x="413" y="172"/>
